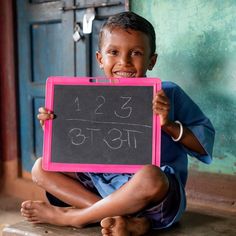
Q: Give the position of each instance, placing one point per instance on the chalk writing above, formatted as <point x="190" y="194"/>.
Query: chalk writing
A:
<point x="110" y="122"/>
<point x="114" y="138"/>
<point x="77" y="104"/>
<point x="115" y="134"/>
<point x="129" y="109"/>
<point x="117" y="142"/>
<point x="77" y="138"/>
<point x="123" y="111"/>
<point x="101" y="101"/>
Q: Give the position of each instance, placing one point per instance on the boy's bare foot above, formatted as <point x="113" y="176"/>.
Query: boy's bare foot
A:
<point x="41" y="212"/>
<point x="124" y="226"/>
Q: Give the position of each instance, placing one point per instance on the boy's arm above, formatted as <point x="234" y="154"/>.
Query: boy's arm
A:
<point x="43" y="115"/>
<point x="188" y="139"/>
<point x="161" y="106"/>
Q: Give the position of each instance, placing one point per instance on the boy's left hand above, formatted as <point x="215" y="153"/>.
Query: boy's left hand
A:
<point x="161" y="107"/>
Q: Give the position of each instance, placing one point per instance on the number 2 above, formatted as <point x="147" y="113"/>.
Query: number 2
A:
<point x="101" y="101"/>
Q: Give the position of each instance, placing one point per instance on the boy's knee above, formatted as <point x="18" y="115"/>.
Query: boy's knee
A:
<point x="155" y="182"/>
<point x="37" y="172"/>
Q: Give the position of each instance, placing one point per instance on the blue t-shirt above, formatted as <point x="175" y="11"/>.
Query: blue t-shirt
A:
<point x="173" y="154"/>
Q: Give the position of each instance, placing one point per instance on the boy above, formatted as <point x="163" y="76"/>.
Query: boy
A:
<point x="129" y="204"/>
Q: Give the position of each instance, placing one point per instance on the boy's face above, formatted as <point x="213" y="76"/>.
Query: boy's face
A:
<point x="125" y="53"/>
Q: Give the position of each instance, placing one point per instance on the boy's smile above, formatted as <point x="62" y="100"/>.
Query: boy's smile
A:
<point x="125" y="53"/>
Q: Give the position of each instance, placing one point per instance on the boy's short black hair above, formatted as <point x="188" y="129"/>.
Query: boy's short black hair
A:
<point x="130" y="20"/>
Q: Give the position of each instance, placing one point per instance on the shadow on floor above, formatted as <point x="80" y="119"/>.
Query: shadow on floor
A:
<point x="195" y="223"/>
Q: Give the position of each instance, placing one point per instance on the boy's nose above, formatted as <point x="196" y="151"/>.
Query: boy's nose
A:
<point x="125" y="59"/>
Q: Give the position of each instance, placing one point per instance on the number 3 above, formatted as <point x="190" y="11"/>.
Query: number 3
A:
<point x="125" y="110"/>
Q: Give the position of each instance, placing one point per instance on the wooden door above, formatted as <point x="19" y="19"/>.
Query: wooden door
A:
<point x="46" y="48"/>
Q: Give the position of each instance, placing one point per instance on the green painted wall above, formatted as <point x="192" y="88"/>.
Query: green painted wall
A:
<point x="196" y="42"/>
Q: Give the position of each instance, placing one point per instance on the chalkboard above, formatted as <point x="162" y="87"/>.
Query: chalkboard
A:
<point x="101" y="125"/>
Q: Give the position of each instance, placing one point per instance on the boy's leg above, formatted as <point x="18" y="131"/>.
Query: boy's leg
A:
<point x="65" y="188"/>
<point x="148" y="186"/>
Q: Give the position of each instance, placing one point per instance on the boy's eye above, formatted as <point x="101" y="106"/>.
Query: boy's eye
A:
<point x="112" y="52"/>
<point x="137" y="53"/>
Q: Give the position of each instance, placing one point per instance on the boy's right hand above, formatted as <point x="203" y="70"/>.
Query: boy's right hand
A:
<point x="43" y="115"/>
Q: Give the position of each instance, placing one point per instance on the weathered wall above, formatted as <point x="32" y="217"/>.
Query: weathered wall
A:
<point x="196" y="42"/>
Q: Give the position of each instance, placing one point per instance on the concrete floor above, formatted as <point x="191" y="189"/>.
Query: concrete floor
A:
<point x="195" y="222"/>
<point x="9" y="211"/>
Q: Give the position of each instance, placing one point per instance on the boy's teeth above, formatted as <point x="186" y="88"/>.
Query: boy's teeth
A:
<point x="125" y="74"/>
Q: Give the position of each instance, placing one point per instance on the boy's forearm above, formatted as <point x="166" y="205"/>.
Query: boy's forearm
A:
<point x="188" y="139"/>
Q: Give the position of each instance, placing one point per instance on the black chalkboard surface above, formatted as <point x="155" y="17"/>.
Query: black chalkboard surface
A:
<point x="101" y="126"/>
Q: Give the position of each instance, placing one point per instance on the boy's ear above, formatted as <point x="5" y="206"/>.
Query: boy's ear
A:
<point x="99" y="59"/>
<point x="153" y="61"/>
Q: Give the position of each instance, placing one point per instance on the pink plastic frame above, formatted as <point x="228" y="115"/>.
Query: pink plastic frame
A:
<point x="99" y="168"/>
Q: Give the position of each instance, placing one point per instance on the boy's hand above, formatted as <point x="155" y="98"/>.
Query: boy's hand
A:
<point x="43" y="115"/>
<point x="161" y="106"/>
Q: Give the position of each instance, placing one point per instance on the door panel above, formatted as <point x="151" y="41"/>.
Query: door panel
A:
<point x="45" y="62"/>
<point x="86" y="63"/>
<point x="46" y="48"/>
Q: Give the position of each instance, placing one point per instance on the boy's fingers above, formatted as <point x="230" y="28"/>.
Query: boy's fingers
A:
<point x="161" y="93"/>
<point x="45" y="116"/>
<point x="161" y="98"/>
<point x="41" y="122"/>
<point x="159" y="105"/>
<point x="42" y="110"/>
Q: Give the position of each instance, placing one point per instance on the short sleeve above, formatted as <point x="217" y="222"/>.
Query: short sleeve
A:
<point x="191" y="116"/>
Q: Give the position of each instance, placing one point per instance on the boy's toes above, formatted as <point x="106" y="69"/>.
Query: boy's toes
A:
<point x="26" y="204"/>
<point x="105" y="231"/>
<point x="107" y="222"/>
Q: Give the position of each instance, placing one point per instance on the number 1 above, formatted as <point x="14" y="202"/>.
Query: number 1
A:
<point x="77" y="104"/>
